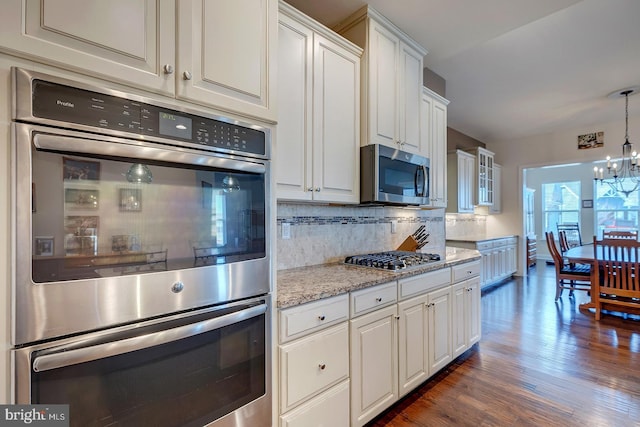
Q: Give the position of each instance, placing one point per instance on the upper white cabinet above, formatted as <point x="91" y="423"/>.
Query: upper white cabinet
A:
<point x="215" y="53"/>
<point x="318" y="146"/>
<point x="461" y="169"/>
<point x="433" y="132"/>
<point x="391" y="80"/>
<point x="496" y="207"/>
<point x="128" y="41"/>
<point x="484" y="178"/>
<point x="227" y="54"/>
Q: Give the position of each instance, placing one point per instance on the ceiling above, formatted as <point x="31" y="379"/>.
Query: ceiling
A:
<point x="516" y="68"/>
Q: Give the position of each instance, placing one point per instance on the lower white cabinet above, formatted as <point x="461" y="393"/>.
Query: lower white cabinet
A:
<point x="374" y="364"/>
<point x="331" y="409"/>
<point x="499" y="258"/>
<point x="335" y="372"/>
<point x="466" y="315"/>
<point x="314" y="363"/>
<point x="440" y="329"/>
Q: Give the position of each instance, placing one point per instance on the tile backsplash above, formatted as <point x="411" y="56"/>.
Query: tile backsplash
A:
<point x="465" y="225"/>
<point x="323" y="234"/>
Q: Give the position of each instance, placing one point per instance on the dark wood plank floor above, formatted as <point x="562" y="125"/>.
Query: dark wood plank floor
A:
<point x="539" y="363"/>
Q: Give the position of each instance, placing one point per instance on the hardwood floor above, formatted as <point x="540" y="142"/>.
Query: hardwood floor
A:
<point x="539" y="363"/>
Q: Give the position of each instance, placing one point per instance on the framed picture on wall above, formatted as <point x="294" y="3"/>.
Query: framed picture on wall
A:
<point x="82" y="170"/>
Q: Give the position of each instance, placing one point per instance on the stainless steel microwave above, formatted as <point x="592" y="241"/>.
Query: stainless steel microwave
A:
<point x="390" y="176"/>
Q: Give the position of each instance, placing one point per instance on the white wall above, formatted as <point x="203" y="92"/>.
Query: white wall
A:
<point x="549" y="149"/>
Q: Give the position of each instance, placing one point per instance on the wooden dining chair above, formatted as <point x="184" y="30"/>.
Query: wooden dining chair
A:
<point x="617" y="276"/>
<point x="617" y="234"/>
<point x="572" y="233"/>
<point x="568" y="276"/>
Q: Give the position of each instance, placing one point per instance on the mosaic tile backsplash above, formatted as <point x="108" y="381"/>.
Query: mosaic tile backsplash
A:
<point x="326" y="234"/>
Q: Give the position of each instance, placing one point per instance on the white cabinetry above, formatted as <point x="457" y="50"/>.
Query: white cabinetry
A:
<point x="484" y="178"/>
<point x="187" y="49"/>
<point x="226" y="55"/>
<point x="499" y="258"/>
<point x="374" y="353"/>
<point x="496" y="207"/>
<point x="461" y="169"/>
<point x="318" y="147"/>
<point x="466" y="307"/>
<point x="414" y="343"/>
<point x="314" y="363"/>
<point x="433" y="131"/>
<point x="391" y="80"/>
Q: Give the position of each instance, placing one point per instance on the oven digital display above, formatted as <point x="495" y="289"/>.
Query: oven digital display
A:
<point x="174" y="125"/>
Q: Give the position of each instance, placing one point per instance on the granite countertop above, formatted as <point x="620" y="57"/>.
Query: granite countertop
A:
<point x="479" y="238"/>
<point x="305" y="284"/>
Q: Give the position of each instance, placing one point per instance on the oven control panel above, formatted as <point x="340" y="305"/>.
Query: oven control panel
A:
<point x="54" y="101"/>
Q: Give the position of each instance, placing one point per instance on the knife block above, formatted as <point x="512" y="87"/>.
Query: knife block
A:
<point x="409" y="244"/>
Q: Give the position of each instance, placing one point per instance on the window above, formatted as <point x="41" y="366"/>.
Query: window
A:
<point x="561" y="204"/>
<point x="614" y="211"/>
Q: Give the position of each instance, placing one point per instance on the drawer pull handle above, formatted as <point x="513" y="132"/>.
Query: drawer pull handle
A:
<point x="322" y="366"/>
<point x="378" y="299"/>
<point x="321" y="317"/>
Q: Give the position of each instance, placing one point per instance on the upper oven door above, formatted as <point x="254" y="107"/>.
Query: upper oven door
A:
<point x="110" y="230"/>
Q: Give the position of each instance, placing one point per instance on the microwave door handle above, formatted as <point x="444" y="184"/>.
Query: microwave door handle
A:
<point x="420" y="170"/>
<point x="425" y="187"/>
<point x="102" y="351"/>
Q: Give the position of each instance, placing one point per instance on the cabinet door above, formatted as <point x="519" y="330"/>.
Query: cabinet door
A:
<point x="487" y="267"/>
<point x="496" y="207"/>
<point x="410" y="85"/>
<point x="460" y="318"/>
<point x="466" y="180"/>
<point x="383" y="91"/>
<point x="413" y="355"/>
<point x="227" y="55"/>
<point x="127" y="41"/>
<point x="374" y="364"/>
<point x="293" y="159"/>
<point x="440" y="329"/>
<point x="438" y="155"/>
<point x="336" y="118"/>
<point x="473" y="309"/>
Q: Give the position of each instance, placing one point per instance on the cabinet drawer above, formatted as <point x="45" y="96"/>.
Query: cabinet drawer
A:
<point x="484" y="246"/>
<point x="313" y="316"/>
<point x="369" y="299"/>
<point x="423" y="283"/>
<point x="313" y="364"/>
<point x="331" y="408"/>
<point x="465" y="271"/>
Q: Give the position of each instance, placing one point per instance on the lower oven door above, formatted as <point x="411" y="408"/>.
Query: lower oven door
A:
<point x="210" y="367"/>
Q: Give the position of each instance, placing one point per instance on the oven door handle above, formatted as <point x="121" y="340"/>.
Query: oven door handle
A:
<point x="46" y="141"/>
<point x="64" y="357"/>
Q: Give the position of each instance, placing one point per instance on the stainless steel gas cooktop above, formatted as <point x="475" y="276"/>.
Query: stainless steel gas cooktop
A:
<point x="392" y="260"/>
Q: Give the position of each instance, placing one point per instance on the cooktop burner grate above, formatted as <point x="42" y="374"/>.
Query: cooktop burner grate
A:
<point x="392" y="260"/>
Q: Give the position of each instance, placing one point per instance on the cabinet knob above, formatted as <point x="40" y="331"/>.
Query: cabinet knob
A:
<point x="378" y="299"/>
<point x="168" y="69"/>
<point x="187" y="75"/>
<point x="310" y="189"/>
<point x="321" y="317"/>
<point x="317" y="189"/>
<point x="322" y="366"/>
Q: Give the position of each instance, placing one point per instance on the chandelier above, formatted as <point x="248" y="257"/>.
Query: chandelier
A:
<point x="623" y="175"/>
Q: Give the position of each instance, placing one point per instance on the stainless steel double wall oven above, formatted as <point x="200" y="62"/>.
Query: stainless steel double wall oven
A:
<point x="141" y="260"/>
